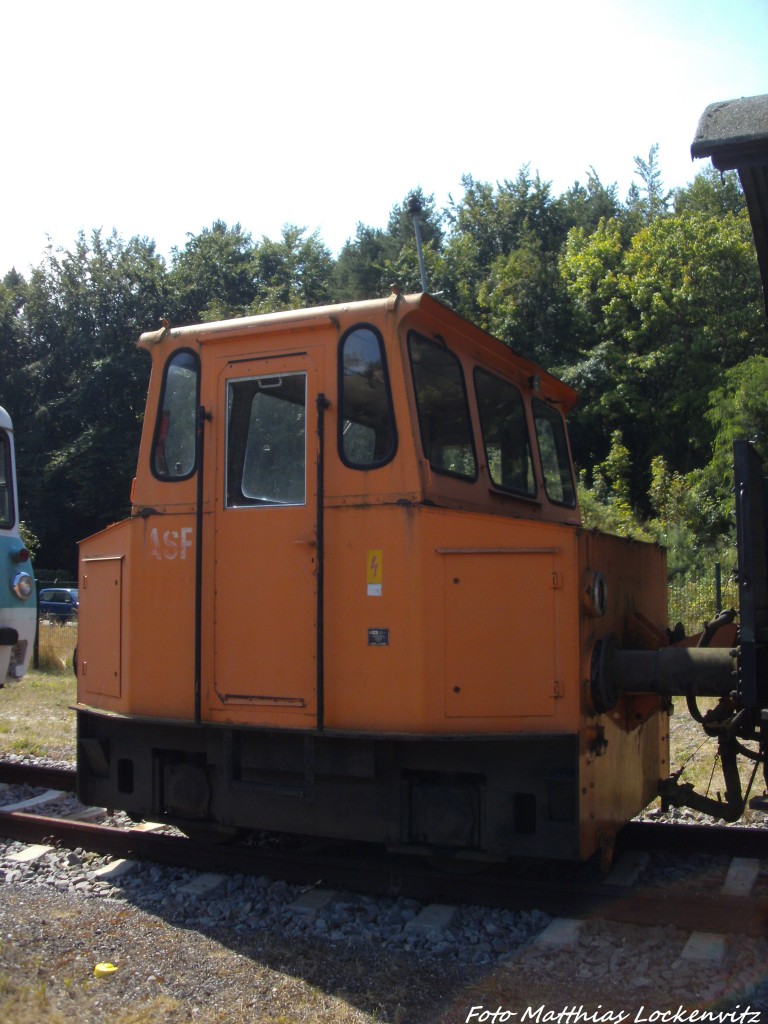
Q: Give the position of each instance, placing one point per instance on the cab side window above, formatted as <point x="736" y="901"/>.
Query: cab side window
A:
<point x="266" y="440"/>
<point x="505" y="434"/>
<point x="174" y="451"/>
<point x="553" y="449"/>
<point x="441" y="399"/>
<point x="367" y="437"/>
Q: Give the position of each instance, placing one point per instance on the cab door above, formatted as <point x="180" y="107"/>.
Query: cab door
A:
<point x="265" y="540"/>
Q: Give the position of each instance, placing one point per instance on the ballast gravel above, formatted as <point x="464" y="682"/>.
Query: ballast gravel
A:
<point x="231" y="949"/>
<point x="469" y="935"/>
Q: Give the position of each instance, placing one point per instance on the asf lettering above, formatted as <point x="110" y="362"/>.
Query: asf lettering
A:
<point x="171" y="545"/>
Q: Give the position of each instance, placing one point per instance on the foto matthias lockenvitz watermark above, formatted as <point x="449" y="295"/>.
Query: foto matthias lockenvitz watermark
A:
<point x="579" y="1015"/>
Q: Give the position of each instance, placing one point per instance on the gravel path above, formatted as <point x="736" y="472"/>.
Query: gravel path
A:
<point x="235" y="950"/>
<point x="242" y="951"/>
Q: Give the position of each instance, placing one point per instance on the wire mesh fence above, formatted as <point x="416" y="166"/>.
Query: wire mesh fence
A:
<point x="697" y="597"/>
<point x="57" y="620"/>
<point x="55" y="645"/>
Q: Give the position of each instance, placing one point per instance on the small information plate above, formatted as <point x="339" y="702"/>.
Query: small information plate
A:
<point x="378" y="638"/>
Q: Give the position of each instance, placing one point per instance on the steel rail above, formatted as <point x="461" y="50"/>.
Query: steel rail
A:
<point x="364" y="869"/>
<point x="21" y="774"/>
<point x="732" y="840"/>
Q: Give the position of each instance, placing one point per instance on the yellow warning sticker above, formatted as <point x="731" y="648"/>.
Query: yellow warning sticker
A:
<point x="374" y="573"/>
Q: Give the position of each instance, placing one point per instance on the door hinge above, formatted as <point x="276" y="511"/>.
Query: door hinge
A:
<point x="557" y="581"/>
<point x="559" y="689"/>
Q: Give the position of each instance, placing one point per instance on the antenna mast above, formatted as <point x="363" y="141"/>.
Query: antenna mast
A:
<point x="415" y="209"/>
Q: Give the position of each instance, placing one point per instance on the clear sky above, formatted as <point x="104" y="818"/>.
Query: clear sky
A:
<point x="157" y="117"/>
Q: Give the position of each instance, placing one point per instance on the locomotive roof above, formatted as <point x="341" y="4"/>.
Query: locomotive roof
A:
<point x="5" y="420"/>
<point x="734" y="133"/>
<point x="441" y="316"/>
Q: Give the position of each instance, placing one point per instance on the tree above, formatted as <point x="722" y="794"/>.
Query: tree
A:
<point x="83" y="385"/>
<point x="607" y="504"/>
<point x="678" y="305"/>
<point x="497" y="235"/>
<point x="711" y="192"/>
<point x="292" y="273"/>
<point x="527" y="303"/>
<point x="12" y="297"/>
<point x="213" y="276"/>
<point x="738" y="410"/>
<point x="586" y="206"/>
<point x="358" y="272"/>
<point x="376" y="259"/>
<point x="649" y="200"/>
<point x="692" y="290"/>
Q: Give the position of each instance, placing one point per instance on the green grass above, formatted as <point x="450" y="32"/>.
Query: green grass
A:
<point x="696" y="754"/>
<point x="35" y="716"/>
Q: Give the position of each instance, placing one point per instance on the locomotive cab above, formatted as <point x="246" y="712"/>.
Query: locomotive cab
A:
<point x="354" y="598"/>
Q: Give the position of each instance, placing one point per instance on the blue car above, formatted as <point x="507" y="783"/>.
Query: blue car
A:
<point x="59" y="604"/>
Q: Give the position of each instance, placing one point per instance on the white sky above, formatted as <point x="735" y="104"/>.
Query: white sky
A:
<point x="157" y="117"/>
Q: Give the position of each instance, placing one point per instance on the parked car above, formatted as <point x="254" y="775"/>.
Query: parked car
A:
<point x="59" y="604"/>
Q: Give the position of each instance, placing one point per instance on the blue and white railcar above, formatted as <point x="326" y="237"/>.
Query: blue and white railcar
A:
<point x="18" y="607"/>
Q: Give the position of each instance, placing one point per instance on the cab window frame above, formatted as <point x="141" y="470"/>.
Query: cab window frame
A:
<point x="255" y="413"/>
<point x="542" y="410"/>
<point x="526" y="495"/>
<point x="158" y="440"/>
<point x="439" y="345"/>
<point x="342" y="420"/>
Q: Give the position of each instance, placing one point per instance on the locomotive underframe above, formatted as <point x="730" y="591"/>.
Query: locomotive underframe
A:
<point x="458" y="796"/>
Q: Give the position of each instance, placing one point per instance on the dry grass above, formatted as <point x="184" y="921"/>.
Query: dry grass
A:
<point x="56" y="646"/>
<point x="696" y="754"/>
<point x="35" y="716"/>
<point x="171" y="975"/>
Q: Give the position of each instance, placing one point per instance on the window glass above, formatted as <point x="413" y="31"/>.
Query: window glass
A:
<point x="175" y="453"/>
<point x="266" y="441"/>
<point x="441" y="398"/>
<point x="6" y="492"/>
<point x="505" y="433"/>
<point x="553" y="449"/>
<point x="366" y="422"/>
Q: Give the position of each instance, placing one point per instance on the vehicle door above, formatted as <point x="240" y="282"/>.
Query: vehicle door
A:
<point x="265" y="536"/>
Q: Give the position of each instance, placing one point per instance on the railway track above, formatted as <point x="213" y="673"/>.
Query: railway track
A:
<point x="738" y="905"/>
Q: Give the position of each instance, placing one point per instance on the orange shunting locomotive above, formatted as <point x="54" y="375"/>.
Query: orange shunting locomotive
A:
<point x="354" y="599"/>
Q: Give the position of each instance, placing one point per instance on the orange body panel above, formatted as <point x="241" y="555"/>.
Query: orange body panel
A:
<point x="623" y="754"/>
<point x="390" y="600"/>
<point x="147" y="634"/>
<point x="460" y="656"/>
<point x="478" y="616"/>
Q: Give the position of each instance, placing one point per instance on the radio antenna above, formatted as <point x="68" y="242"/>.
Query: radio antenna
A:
<point x="415" y="209"/>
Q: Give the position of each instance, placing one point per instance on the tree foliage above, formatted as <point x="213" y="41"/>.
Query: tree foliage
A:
<point x="669" y="313"/>
<point x="649" y="306"/>
<point x="213" y="276"/>
<point x="79" y="384"/>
